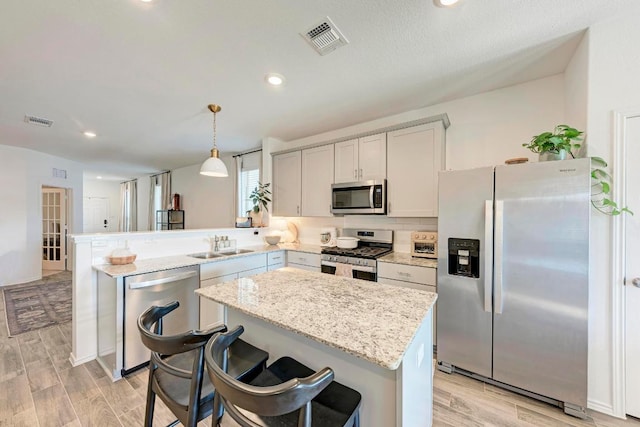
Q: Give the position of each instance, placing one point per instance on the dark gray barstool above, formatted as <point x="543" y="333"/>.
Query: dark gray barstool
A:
<point x="287" y="393"/>
<point x="176" y="367"/>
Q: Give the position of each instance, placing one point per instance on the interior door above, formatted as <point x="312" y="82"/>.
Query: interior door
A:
<point x="632" y="274"/>
<point x="54" y="228"/>
<point x="95" y="215"/>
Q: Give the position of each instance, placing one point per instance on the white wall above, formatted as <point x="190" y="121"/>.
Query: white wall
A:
<point x="208" y="202"/>
<point x="24" y="172"/>
<point x="110" y="190"/>
<point x="614" y="84"/>
<point x="486" y="129"/>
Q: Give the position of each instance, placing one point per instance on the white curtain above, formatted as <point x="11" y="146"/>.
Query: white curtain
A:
<point x="159" y="200"/>
<point x="128" y="220"/>
<point x="248" y="167"/>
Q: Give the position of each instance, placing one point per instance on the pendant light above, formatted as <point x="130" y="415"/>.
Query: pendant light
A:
<point x="213" y="166"/>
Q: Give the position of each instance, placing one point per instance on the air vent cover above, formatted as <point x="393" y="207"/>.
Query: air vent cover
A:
<point x="38" y="121"/>
<point x="325" y="37"/>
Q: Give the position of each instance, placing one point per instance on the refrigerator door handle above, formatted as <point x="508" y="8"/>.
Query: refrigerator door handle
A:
<point x="498" y="256"/>
<point x="488" y="258"/>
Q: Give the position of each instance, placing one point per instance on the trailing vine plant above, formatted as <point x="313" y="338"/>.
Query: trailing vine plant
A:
<point x="601" y="189"/>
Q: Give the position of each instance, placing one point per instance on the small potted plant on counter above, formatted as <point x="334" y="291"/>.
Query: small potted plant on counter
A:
<point x="260" y="198"/>
<point x="555" y="145"/>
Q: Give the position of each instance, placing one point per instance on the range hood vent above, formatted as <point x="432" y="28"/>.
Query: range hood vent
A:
<point x="38" y="121"/>
<point x="325" y="37"/>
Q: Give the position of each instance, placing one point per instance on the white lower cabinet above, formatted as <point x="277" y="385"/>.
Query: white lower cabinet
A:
<point x="303" y="260"/>
<point x="276" y="260"/>
<point x="410" y="276"/>
<point x="212" y="313"/>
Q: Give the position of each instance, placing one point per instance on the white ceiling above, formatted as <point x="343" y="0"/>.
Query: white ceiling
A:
<point x="141" y="74"/>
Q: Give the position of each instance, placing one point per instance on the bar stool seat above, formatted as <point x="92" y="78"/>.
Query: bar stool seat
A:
<point x="287" y="393"/>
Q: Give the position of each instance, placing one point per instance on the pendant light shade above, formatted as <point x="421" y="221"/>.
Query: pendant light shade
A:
<point x="213" y="166"/>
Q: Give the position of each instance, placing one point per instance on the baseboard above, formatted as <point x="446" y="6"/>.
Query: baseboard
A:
<point x="77" y="362"/>
<point x="605" y="408"/>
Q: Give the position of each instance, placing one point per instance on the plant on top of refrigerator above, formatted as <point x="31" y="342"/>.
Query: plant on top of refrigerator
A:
<point x="562" y="138"/>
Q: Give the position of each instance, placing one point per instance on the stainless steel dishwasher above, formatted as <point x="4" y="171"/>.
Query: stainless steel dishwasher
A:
<point x="158" y="288"/>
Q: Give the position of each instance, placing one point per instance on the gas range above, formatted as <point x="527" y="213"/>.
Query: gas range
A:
<point x="373" y="244"/>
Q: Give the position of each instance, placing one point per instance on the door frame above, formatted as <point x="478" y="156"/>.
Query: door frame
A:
<point x="67" y="207"/>
<point x="618" y="263"/>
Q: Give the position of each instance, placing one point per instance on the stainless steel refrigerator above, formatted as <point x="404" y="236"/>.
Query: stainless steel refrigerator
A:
<point x="513" y="276"/>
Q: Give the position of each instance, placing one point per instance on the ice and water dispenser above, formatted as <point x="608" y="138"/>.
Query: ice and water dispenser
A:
<point x="464" y="257"/>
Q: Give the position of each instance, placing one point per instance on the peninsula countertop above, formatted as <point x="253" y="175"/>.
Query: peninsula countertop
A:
<point x="369" y="320"/>
<point x="176" y="261"/>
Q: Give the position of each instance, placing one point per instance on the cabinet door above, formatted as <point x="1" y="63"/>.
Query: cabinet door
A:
<point x="317" y="177"/>
<point x="414" y="157"/>
<point x="212" y="313"/>
<point x="373" y="157"/>
<point x="346" y="161"/>
<point x="286" y="184"/>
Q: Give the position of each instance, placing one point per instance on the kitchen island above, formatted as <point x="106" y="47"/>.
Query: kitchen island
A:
<point x="376" y="338"/>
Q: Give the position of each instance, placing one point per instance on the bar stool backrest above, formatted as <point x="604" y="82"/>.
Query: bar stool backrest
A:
<point x="274" y="400"/>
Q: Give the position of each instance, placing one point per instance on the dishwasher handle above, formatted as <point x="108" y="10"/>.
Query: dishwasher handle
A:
<point x="163" y="280"/>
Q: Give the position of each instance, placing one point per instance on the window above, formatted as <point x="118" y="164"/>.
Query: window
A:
<point x="248" y="166"/>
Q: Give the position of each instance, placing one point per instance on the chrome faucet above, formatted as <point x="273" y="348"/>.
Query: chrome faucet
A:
<point x="216" y="247"/>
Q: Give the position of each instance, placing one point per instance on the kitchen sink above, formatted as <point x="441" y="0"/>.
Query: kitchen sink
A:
<point x="237" y="251"/>
<point x="206" y="255"/>
<point x="210" y="255"/>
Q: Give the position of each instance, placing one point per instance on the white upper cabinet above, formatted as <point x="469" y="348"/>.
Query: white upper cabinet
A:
<point x="317" y="177"/>
<point x="415" y="155"/>
<point x="346" y="162"/>
<point x="287" y="174"/>
<point x="361" y="159"/>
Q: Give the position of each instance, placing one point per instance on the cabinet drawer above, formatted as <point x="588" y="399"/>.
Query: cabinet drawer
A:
<point x="275" y="258"/>
<point x="271" y="267"/>
<point x="234" y="265"/>
<point x="304" y="267"/>
<point x="304" y="258"/>
<point x="407" y="273"/>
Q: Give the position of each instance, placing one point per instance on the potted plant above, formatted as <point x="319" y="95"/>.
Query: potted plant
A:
<point x="555" y="145"/>
<point x="601" y="188"/>
<point x="260" y="198"/>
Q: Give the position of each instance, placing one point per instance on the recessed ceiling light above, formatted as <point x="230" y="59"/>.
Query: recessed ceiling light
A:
<point x="146" y="1"/>
<point x="90" y="134"/>
<point x="98" y="177"/>
<point x="275" y="79"/>
<point x="445" y="3"/>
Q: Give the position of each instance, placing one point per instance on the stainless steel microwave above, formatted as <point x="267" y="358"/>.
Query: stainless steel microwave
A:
<point x="361" y="198"/>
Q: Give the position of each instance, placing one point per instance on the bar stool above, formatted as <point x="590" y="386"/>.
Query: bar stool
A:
<point x="176" y="367"/>
<point x="287" y="393"/>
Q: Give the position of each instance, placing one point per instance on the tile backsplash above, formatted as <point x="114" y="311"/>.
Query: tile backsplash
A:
<point x="310" y="227"/>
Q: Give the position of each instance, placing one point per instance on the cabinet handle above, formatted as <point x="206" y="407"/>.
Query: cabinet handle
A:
<point x="400" y="273"/>
<point x="298" y="209"/>
<point x="389" y="207"/>
<point x="355" y="173"/>
<point x="360" y="173"/>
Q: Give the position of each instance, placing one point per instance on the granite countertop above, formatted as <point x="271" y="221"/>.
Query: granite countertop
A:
<point x="369" y="320"/>
<point x="176" y="261"/>
<point x="407" y="259"/>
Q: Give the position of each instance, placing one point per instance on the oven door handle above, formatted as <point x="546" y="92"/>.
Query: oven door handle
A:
<point x="364" y="268"/>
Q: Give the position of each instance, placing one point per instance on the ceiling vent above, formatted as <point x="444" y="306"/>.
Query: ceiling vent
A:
<point x="325" y="37"/>
<point x="38" y="121"/>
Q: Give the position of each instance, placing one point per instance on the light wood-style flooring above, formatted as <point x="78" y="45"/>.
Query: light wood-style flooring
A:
<point x="39" y="387"/>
